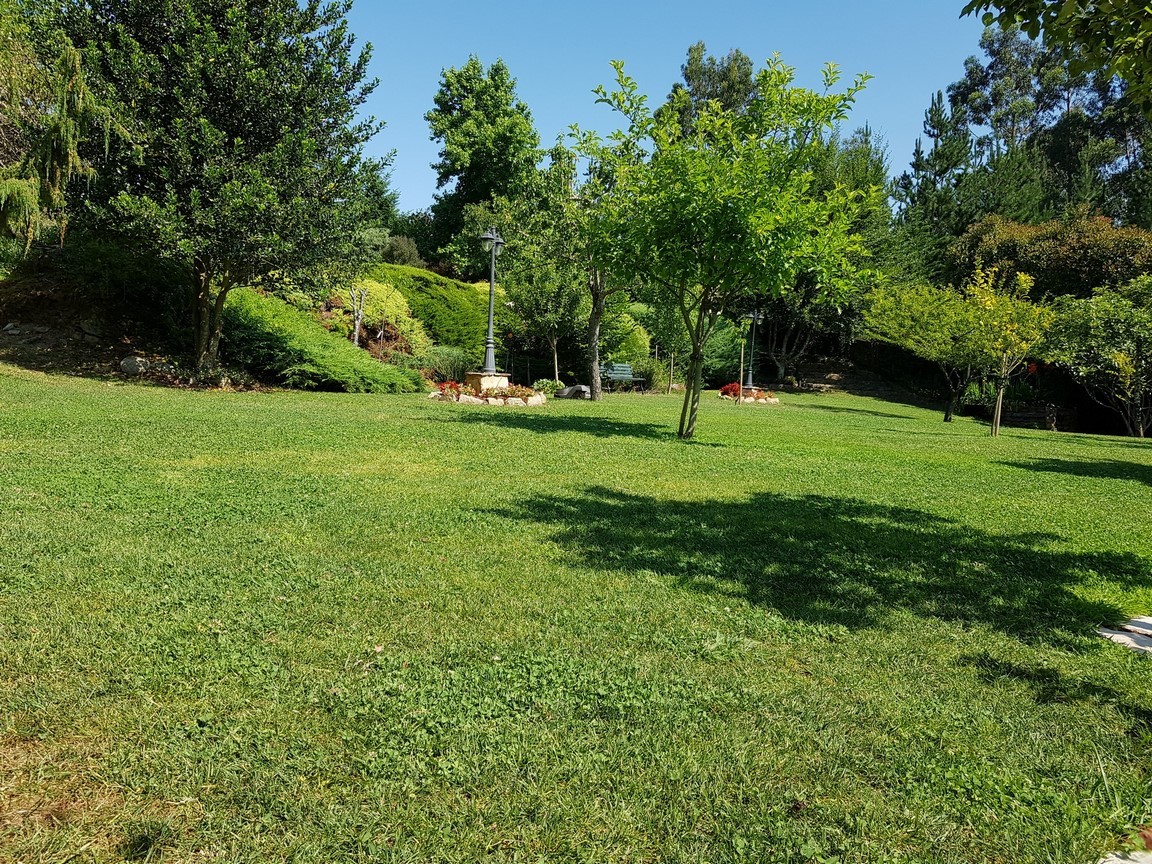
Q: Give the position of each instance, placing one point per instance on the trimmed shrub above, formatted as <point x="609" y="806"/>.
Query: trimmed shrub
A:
<point x="453" y="313"/>
<point x="547" y="386"/>
<point x="286" y="346"/>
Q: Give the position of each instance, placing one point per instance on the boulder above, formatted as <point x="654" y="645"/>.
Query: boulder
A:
<point x="492" y="400"/>
<point x="515" y="402"/>
<point x="772" y="400"/>
<point x="435" y="394"/>
<point x="469" y="399"/>
<point x="536" y="399"/>
<point x="576" y="391"/>
<point x="133" y="365"/>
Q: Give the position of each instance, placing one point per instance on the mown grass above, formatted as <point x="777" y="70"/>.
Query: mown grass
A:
<point x="316" y="627"/>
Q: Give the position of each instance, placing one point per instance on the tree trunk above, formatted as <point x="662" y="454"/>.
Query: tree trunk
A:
<point x="594" y="319"/>
<point x="692" y="395"/>
<point x="671" y="371"/>
<point x="203" y="313"/>
<point x="953" y="405"/>
<point x="781" y="369"/>
<point x="999" y="409"/>
<point x="555" y="361"/>
<point x="217" y="322"/>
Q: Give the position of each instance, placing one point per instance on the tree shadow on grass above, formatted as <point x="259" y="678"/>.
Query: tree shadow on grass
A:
<point x="1107" y="469"/>
<point x="835" y="409"/>
<point x="1050" y="686"/>
<point x="838" y="561"/>
<point x="546" y="424"/>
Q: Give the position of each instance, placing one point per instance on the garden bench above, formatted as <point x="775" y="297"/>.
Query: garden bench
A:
<point x="619" y="374"/>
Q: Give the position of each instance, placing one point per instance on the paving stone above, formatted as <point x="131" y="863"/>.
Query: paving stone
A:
<point x="1136" y="641"/>
<point x="1141" y="624"/>
<point x="1129" y="858"/>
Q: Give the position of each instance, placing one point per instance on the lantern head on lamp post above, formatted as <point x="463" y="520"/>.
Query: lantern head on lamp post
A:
<point x="493" y="243"/>
<point x="755" y="316"/>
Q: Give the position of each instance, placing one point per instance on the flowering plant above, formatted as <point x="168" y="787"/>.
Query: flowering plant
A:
<point x="451" y="388"/>
<point x="731" y="390"/>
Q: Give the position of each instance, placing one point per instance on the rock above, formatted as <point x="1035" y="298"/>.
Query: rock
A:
<point x="1135" y="641"/>
<point x="772" y="400"/>
<point x="133" y="365"/>
<point x="12" y="332"/>
<point x="492" y="400"/>
<point x="761" y="401"/>
<point x="11" y="325"/>
<point x="537" y="399"/>
<point x="436" y="394"/>
<point x="515" y="402"/>
<point x="469" y="399"/>
<point x="91" y="328"/>
<point x="576" y="391"/>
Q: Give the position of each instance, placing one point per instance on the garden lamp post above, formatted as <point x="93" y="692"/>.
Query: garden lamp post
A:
<point x="493" y="243"/>
<point x="755" y="316"/>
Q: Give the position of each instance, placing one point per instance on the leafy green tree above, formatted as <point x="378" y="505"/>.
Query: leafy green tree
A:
<point x="1105" y="341"/>
<point x="1009" y="327"/>
<point x="729" y="80"/>
<point x="936" y="324"/>
<point x="488" y="146"/>
<point x="705" y="219"/>
<point x="250" y="135"/>
<point x="1113" y="36"/>
<point x="47" y="112"/>
<point x="809" y="312"/>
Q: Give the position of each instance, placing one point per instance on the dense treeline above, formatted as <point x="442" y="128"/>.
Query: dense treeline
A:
<point x="211" y="145"/>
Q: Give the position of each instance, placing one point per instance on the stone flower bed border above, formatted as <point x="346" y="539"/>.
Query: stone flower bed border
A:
<point x="513" y="396"/>
<point x="748" y="395"/>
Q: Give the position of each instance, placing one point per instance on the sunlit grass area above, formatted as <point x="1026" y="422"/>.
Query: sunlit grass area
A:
<point x="307" y="627"/>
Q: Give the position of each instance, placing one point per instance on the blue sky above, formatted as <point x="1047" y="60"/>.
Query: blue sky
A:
<point x="559" y="52"/>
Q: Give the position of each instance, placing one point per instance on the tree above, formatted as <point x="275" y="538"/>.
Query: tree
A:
<point x="488" y="146"/>
<point x="47" y="111"/>
<point x="729" y="80"/>
<point x="1113" y="36"/>
<point x="1009" y="327"/>
<point x="808" y="312"/>
<point x="249" y="131"/>
<point x="724" y="212"/>
<point x="936" y="324"/>
<point x="1105" y="341"/>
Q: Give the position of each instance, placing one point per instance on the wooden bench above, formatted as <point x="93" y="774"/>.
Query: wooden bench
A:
<point x="619" y="374"/>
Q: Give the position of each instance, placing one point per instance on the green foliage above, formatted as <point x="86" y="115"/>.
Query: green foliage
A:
<point x="1110" y="36"/>
<point x="443" y="363"/>
<point x="729" y="81"/>
<point x="387" y="315"/>
<point x="1063" y="257"/>
<point x="547" y="386"/>
<point x="289" y="347"/>
<point x="402" y="251"/>
<point x="625" y="341"/>
<point x="250" y="135"/>
<point x="1105" y="341"/>
<point x="488" y="146"/>
<point x="726" y="212"/>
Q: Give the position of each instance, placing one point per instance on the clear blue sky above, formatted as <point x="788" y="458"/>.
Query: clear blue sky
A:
<point x="559" y="52"/>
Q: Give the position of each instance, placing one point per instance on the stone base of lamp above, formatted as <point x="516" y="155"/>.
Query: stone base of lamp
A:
<point x="481" y="381"/>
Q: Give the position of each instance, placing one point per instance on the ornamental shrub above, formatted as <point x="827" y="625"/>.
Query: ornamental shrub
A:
<point x="285" y="346"/>
<point x="547" y="386"/>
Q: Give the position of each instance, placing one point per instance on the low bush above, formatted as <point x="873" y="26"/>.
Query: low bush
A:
<point x="547" y="386"/>
<point x="453" y="313"/>
<point x="654" y="372"/>
<point x="286" y="346"/>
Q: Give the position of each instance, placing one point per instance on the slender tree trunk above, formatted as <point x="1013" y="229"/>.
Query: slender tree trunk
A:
<point x="692" y="395"/>
<point x="999" y="409"/>
<point x="555" y="361"/>
<point x="202" y="317"/>
<point x="671" y="371"/>
<point x="217" y="321"/>
<point x="594" y="319"/>
<point x="953" y="400"/>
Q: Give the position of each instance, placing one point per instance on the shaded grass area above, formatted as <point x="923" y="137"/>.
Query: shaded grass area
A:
<point x="309" y="627"/>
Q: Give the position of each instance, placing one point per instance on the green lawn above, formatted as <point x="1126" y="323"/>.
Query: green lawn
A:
<point x="316" y="628"/>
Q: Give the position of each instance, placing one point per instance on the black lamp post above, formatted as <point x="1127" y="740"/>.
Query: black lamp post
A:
<point x="756" y="317"/>
<point x="493" y="243"/>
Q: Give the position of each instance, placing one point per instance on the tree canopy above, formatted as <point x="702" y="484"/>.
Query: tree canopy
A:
<point x="248" y="131"/>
